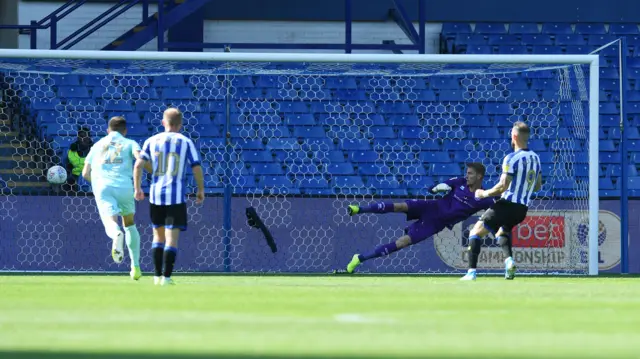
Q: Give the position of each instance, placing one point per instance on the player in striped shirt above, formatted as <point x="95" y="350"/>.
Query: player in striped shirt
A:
<point x="168" y="153"/>
<point x="521" y="176"/>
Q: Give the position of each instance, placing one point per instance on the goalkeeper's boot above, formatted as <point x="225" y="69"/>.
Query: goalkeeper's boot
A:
<point x="353" y="209"/>
<point x="167" y="282"/>
<point x="117" y="248"/>
<point x="355" y="262"/>
<point x="135" y="273"/>
<point x="471" y="275"/>
<point x="509" y="268"/>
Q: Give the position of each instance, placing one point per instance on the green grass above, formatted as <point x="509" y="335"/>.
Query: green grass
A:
<point x="319" y="317"/>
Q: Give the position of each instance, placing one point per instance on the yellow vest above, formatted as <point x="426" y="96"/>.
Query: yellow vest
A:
<point x="77" y="162"/>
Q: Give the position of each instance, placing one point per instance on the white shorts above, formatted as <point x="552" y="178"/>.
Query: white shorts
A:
<point x="114" y="201"/>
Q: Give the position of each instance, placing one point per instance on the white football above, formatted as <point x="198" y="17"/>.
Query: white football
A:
<point x="57" y="175"/>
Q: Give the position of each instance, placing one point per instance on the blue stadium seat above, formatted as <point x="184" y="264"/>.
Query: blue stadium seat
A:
<point x="528" y="95"/>
<point x="308" y="132"/>
<point x="484" y="133"/>
<point x="470" y="39"/>
<point x="424" y="145"/>
<point x="456" y="27"/>
<point x="146" y="106"/>
<point x="169" y="81"/>
<point x="557" y="28"/>
<point x="283" y="144"/>
<point x="632" y="133"/>
<point x="242" y="82"/>
<point x="607" y="146"/>
<point x="453" y="145"/>
<point x="609" y="157"/>
<point x="275" y="181"/>
<point x="503" y="40"/>
<point x="586" y="28"/>
<point x="537" y="145"/>
<point x="615" y="170"/>
<point x="479" y="50"/>
<point x="348" y="181"/>
<point x="524" y="28"/>
<point x="411" y="132"/>
<point x="351" y="94"/>
<point x="177" y="93"/>
<point x="427" y="96"/>
<point x="445" y="169"/>
<point x="256" y="156"/>
<point x="297" y="107"/>
<point x="354" y="145"/>
<point x="519" y="84"/>
<point x="451" y="96"/>
<point x="404" y="120"/>
<point x="543" y="49"/>
<point x="490" y="28"/>
<point x="497" y="109"/>
<point x="247" y="144"/>
<point x="107" y="92"/>
<point x="577" y="50"/>
<point x="340" y="169"/>
<point x="570" y="40"/>
<point x="608" y="108"/>
<point x="370" y="169"/>
<point x="386" y="182"/>
<point x="332" y="156"/>
<point x="599" y="40"/>
<point x="364" y="156"/>
<point x="465" y="156"/>
<point x="122" y="106"/>
<point x="267" y="169"/>
<point x="472" y="109"/>
<point x="138" y="130"/>
<point x="445" y="83"/>
<point x="434" y="157"/>
<point x="633" y="145"/>
<point x="312" y="182"/>
<point x="546" y="157"/>
<point x="131" y="117"/>
<point x="410" y="172"/>
<point x="513" y="49"/>
<point x="73" y="92"/>
<point x="207" y="130"/>
<point x="380" y="132"/>
<point x="634" y="183"/>
<point x="300" y="119"/>
<point x="335" y="82"/>
<point x="45" y="104"/>
<point x="395" y="107"/>
<point x="536" y="40"/>
<point x="249" y="93"/>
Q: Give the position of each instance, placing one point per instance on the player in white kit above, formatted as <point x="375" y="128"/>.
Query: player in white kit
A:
<point x="109" y="168"/>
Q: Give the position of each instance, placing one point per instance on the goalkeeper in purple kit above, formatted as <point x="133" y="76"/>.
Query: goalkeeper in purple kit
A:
<point x="431" y="216"/>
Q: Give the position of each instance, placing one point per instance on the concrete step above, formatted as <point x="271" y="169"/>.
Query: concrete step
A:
<point x="17" y="158"/>
<point x="22" y="171"/>
<point x="27" y="184"/>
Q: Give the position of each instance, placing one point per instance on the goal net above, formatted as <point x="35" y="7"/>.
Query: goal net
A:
<point x="299" y="138"/>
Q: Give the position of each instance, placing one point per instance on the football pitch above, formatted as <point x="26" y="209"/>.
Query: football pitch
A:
<point x="318" y="317"/>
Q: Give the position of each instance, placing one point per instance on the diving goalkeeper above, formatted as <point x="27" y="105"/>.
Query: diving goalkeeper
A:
<point x="431" y="216"/>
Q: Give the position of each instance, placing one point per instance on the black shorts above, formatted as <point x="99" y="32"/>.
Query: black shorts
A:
<point x="505" y="214"/>
<point x="173" y="216"/>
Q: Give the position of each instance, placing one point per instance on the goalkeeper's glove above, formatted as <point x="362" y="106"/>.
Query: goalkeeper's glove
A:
<point x="442" y="187"/>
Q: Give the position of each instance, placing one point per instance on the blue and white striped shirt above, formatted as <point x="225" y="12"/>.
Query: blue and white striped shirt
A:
<point x="524" y="168"/>
<point x="169" y="153"/>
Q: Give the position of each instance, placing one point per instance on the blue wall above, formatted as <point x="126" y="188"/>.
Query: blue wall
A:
<point x="436" y="11"/>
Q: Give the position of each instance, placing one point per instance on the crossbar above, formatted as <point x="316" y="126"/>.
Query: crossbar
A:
<point x="284" y="57"/>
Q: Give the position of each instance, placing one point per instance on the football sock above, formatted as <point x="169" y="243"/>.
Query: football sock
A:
<point x="505" y="244"/>
<point x="169" y="260"/>
<point x="476" y="244"/>
<point x="380" y="207"/>
<point x="133" y="244"/>
<point x="158" y="253"/>
<point x="381" y="250"/>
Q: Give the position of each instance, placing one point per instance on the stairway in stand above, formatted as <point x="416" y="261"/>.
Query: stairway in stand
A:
<point x="21" y="170"/>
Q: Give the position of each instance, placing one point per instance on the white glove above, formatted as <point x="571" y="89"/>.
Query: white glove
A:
<point x="442" y="187"/>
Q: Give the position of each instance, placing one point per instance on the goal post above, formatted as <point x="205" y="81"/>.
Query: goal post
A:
<point x="343" y="114"/>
